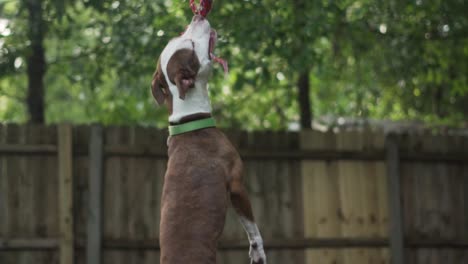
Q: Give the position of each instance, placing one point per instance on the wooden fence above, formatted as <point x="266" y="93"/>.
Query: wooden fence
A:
<point x="91" y="195"/>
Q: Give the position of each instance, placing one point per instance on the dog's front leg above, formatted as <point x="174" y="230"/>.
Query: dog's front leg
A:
<point x="241" y="203"/>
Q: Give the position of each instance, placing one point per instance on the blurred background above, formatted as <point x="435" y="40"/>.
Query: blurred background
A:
<point x="350" y="116"/>
<point x="291" y="62"/>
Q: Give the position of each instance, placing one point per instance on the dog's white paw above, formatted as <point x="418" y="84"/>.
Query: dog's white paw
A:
<point x="257" y="254"/>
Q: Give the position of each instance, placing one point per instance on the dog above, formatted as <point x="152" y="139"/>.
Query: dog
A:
<point x="204" y="170"/>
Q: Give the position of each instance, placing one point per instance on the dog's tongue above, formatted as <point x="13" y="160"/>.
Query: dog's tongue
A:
<point x="212" y="44"/>
<point x="220" y="61"/>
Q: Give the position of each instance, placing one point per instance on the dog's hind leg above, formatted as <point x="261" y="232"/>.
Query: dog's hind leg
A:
<point x="241" y="203"/>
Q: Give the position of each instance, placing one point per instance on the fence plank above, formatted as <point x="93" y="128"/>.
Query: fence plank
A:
<point x="321" y="197"/>
<point x="463" y="176"/>
<point x="114" y="178"/>
<point x="465" y="200"/>
<point x="394" y="185"/>
<point x="94" y="231"/>
<point x="4" y="208"/>
<point x="382" y="196"/>
<point x="65" y="194"/>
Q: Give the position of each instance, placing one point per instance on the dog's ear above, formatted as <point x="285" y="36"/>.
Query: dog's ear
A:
<point x="182" y="70"/>
<point x="159" y="85"/>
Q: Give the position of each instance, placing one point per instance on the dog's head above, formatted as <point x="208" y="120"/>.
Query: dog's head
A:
<point x="185" y="62"/>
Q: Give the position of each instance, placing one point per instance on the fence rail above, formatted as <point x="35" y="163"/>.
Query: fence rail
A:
<point x="30" y="244"/>
<point x="130" y="151"/>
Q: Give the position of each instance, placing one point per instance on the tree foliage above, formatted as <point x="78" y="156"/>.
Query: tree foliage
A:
<point x="368" y="59"/>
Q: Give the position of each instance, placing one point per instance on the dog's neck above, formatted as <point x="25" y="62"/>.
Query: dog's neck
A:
<point x="196" y="103"/>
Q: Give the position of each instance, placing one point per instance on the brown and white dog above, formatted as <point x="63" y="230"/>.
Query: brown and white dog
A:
<point x="204" y="169"/>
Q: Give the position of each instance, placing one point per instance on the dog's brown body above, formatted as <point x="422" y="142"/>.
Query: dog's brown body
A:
<point x="195" y="195"/>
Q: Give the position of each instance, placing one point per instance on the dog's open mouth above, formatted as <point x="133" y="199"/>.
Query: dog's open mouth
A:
<point x="211" y="47"/>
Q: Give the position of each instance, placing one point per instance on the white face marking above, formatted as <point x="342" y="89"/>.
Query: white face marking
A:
<point x="197" y="37"/>
<point x="255" y="253"/>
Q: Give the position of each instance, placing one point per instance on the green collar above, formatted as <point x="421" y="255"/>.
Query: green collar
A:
<point x="192" y="126"/>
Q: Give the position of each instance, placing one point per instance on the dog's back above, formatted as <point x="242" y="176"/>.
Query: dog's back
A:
<point x="195" y="196"/>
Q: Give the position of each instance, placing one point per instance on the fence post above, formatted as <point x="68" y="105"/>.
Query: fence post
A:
<point x="394" y="192"/>
<point x="94" y="228"/>
<point x="65" y="159"/>
<point x="465" y="192"/>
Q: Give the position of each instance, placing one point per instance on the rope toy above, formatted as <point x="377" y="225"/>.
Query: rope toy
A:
<point x="203" y="9"/>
